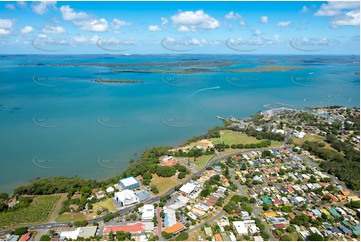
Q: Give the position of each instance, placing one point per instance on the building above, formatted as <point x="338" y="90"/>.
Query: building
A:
<point x="73" y="235"/>
<point x="86" y="232"/>
<point x="175" y="229"/>
<point x="136" y="228"/>
<point x="187" y="188"/>
<point x="129" y="183"/>
<point x="147" y="212"/>
<point x="110" y="190"/>
<point x="25" y="237"/>
<point x="240" y="227"/>
<point x="126" y="197"/>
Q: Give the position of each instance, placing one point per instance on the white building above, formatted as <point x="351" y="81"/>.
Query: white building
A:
<point x="70" y="234"/>
<point x="126" y="197"/>
<point x="187" y="188"/>
<point x="147" y="212"/>
<point x="110" y="190"/>
<point x="240" y="227"/>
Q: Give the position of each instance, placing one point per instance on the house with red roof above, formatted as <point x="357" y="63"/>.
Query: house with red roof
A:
<point x="25" y="237"/>
<point x="290" y="189"/>
<point x="135" y="228"/>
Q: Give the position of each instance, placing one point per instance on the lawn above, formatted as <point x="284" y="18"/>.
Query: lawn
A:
<point x="202" y="161"/>
<point x="165" y="183"/>
<point x="312" y="138"/>
<point x="70" y="217"/>
<point x="38" y="211"/>
<point x="230" y="137"/>
<point x="108" y="204"/>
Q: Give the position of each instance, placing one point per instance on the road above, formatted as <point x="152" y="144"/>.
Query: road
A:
<point x="150" y="200"/>
<point x="219" y="214"/>
<point x="256" y="210"/>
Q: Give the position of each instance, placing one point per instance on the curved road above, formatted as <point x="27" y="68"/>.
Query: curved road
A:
<point x="150" y="200"/>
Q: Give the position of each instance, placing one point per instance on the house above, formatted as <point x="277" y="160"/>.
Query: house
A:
<point x="110" y="190"/>
<point x="13" y="238"/>
<point x="25" y="237"/>
<point x="175" y="229"/>
<point x="129" y="183"/>
<point x="266" y="200"/>
<point x="126" y="197"/>
<point x="87" y="232"/>
<point x="270" y="214"/>
<point x="147" y="212"/>
<point x="240" y="227"/>
<point x="187" y="188"/>
<point x="334" y="212"/>
<point x="218" y="237"/>
<point x="208" y="231"/>
<point x="135" y="228"/>
<point x="316" y="212"/>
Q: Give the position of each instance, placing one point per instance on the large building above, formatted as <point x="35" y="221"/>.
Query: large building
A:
<point x="126" y="197"/>
<point x="147" y="212"/>
<point x="136" y="228"/>
<point x="129" y="183"/>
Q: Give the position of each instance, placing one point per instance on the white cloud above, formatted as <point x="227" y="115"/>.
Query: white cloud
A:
<point x="264" y="19"/>
<point x="27" y="30"/>
<point x="4" y="31"/>
<point x="43" y="36"/>
<point x="283" y="24"/>
<point x="242" y="22"/>
<point x="22" y="4"/>
<point x="277" y="37"/>
<point x="232" y="15"/>
<point x="53" y="30"/>
<point x="154" y="28"/>
<point x="351" y="18"/>
<point x="69" y="14"/>
<point x="10" y="6"/>
<point x="164" y="21"/>
<point x="93" y="25"/>
<point x="80" y="38"/>
<point x="117" y="23"/>
<point x="342" y="13"/>
<point x="5" y="26"/>
<point x="195" y="20"/>
<point x="183" y="29"/>
<point x="334" y="8"/>
<point x="257" y="32"/>
<point x="42" y="7"/>
<point x="304" y="9"/>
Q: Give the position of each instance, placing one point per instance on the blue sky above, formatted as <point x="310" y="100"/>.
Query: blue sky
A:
<point x="180" y="27"/>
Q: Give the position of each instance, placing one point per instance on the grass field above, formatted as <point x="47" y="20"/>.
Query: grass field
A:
<point x="70" y="217"/>
<point x="165" y="183"/>
<point x="108" y="204"/>
<point x="202" y="161"/>
<point x="38" y="211"/>
<point x="312" y="138"/>
<point x="230" y="137"/>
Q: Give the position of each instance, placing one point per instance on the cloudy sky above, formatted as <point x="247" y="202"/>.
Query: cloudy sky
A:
<point x="180" y="27"/>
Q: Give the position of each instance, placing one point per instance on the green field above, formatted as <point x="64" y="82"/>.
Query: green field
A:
<point x="202" y="161"/>
<point x="230" y="137"/>
<point x="312" y="138"/>
<point x="71" y="217"/>
<point x="38" y="211"/>
<point x="107" y="203"/>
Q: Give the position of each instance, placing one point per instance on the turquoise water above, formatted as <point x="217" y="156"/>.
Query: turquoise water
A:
<point x="56" y="121"/>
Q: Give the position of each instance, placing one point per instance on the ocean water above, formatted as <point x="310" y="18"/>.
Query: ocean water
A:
<point x="56" y="120"/>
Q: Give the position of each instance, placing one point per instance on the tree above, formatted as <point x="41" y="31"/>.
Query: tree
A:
<point x="20" y="231"/>
<point x="181" y="175"/>
<point x="182" y="236"/>
<point x="167" y="235"/>
<point x="314" y="237"/>
<point x="286" y="238"/>
<point x="45" y="238"/>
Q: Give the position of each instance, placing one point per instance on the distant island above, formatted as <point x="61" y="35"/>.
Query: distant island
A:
<point x="117" y="81"/>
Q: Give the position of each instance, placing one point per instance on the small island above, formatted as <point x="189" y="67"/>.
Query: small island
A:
<point x="117" y="81"/>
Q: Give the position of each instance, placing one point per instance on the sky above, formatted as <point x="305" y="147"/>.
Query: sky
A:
<point x="180" y="27"/>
